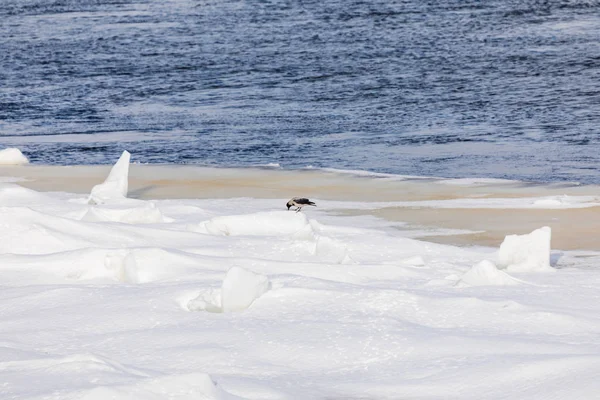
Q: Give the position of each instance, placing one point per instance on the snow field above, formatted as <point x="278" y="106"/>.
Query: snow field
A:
<point x="95" y="302"/>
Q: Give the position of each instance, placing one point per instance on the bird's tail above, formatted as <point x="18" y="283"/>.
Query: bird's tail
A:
<point x="310" y="203"/>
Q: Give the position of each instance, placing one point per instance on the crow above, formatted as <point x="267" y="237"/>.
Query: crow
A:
<point x="299" y="202"/>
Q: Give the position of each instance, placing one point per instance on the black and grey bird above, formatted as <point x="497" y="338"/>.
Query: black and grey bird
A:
<point x="299" y="202"/>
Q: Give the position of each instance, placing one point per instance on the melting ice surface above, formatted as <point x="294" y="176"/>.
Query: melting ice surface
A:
<point x="238" y="298"/>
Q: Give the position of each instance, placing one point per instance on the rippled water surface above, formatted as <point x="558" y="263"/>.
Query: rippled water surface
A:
<point x="507" y="89"/>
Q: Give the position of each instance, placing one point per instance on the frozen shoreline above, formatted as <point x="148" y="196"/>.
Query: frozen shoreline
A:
<point x="461" y="212"/>
<point x="107" y="296"/>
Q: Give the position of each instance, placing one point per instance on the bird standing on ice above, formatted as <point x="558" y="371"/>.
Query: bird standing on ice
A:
<point x="299" y="202"/>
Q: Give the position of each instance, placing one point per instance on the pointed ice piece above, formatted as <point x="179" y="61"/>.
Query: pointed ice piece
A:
<point x="115" y="186"/>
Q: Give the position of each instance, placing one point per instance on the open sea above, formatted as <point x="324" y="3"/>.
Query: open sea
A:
<point x="451" y="88"/>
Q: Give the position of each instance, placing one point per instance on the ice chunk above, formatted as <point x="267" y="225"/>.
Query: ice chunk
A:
<point x="485" y="273"/>
<point x="530" y="252"/>
<point x="12" y="156"/>
<point x="116" y="185"/>
<point x="239" y="290"/>
<point x="272" y="223"/>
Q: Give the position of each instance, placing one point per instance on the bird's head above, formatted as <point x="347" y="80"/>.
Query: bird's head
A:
<point x="289" y="204"/>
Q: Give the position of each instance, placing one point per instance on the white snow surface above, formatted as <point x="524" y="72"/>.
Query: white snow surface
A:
<point x="95" y="303"/>
<point x="12" y="156"/>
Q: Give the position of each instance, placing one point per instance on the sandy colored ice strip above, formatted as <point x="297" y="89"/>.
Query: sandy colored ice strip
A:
<point x="188" y="181"/>
<point x="426" y="203"/>
<point x="572" y="229"/>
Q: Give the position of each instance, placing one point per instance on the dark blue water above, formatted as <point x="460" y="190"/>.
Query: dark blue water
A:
<point x="458" y="88"/>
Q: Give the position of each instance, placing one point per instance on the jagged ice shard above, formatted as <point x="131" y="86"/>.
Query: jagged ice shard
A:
<point x="116" y="185"/>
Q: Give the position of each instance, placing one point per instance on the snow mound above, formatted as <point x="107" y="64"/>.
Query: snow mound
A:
<point x="106" y="265"/>
<point x="17" y="196"/>
<point x="273" y="223"/>
<point x="239" y="290"/>
<point x="529" y="252"/>
<point x="116" y="185"/>
<point x="12" y="156"/>
<point x="485" y="273"/>
<point x="144" y="265"/>
<point x="93" y="377"/>
<point x="175" y="387"/>
<point x="26" y="231"/>
<point x="61" y="267"/>
<point x="50" y="373"/>
<point x="146" y="214"/>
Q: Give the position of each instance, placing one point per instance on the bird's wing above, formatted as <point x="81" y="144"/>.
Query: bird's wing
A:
<point x="302" y="200"/>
